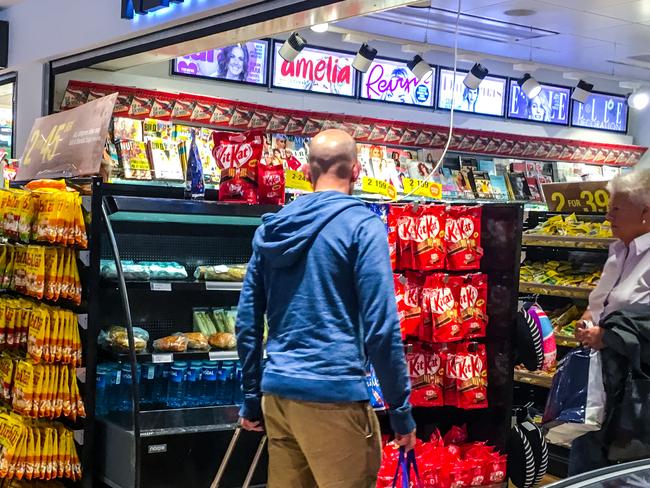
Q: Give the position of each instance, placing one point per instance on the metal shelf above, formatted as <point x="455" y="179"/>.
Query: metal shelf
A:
<point x="536" y="379"/>
<point x="555" y="290"/>
<point x="181" y="285"/>
<point x="169" y="357"/>
<point x="570" y="242"/>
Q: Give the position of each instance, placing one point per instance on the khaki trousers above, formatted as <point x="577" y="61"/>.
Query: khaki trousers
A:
<point x="321" y="445"/>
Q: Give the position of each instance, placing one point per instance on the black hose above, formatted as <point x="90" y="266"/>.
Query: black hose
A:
<point x="135" y="390"/>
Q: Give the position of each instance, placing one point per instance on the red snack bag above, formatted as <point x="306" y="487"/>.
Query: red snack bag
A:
<point x="441" y="293"/>
<point x="238" y="157"/>
<point x="456" y="436"/>
<point x="472" y="376"/>
<point x="421" y="231"/>
<point x="426" y="370"/>
<point x="451" y="374"/>
<point x="463" y="237"/>
<point x="270" y="184"/>
<point x="408" y="293"/>
<point x="405" y="222"/>
<point x="473" y="305"/>
<point x="497" y="468"/>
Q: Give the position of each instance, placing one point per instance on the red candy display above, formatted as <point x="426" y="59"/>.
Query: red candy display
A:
<point x="473" y="306"/>
<point x="408" y="293"/>
<point x="420" y="233"/>
<point x="471" y="380"/>
<point x="238" y="157"/>
<point x="271" y="184"/>
<point x="426" y="371"/>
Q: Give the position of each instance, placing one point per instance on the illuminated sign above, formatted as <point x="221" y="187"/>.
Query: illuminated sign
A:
<point x="392" y="81"/>
<point x="601" y="111"/>
<point x="316" y="70"/>
<point x="551" y="105"/>
<point x="487" y="99"/>
<point x="130" y="8"/>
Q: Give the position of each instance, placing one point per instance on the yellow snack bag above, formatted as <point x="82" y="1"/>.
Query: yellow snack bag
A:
<point x="58" y="284"/>
<point x="6" y="375"/>
<point x="57" y="402"/>
<point x="51" y="262"/>
<point x="78" y="408"/>
<point x="7" y="277"/>
<point x="27" y="212"/>
<point x="47" y="336"/>
<point x="3" y="258"/>
<point x="11" y="310"/>
<point x="76" y="340"/>
<point x="81" y="235"/>
<point x="3" y="329"/>
<point x="45" y="225"/>
<point x="31" y="454"/>
<point x="66" y="394"/>
<point x="23" y="320"/>
<point x="67" y="338"/>
<point x="76" y="280"/>
<point x="52" y="389"/>
<point x="55" y="324"/>
<point x="39" y="382"/>
<point x="23" y="388"/>
<point x="21" y="458"/>
<point x="76" y="465"/>
<point x="35" y="271"/>
<point x="11" y="209"/>
<point x="66" y="281"/>
<point x="46" y="466"/>
<point x="36" y="333"/>
<point x="19" y="276"/>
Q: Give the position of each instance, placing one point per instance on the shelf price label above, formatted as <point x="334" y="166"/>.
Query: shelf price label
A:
<point x="160" y="358"/>
<point x="378" y="187"/>
<point x="580" y="197"/>
<point x="158" y="286"/>
<point x="296" y="180"/>
<point x="429" y="189"/>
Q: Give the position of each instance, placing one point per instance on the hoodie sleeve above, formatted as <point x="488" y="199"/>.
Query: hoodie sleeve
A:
<point x="378" y="315"/>
<point x="250" y="337"/>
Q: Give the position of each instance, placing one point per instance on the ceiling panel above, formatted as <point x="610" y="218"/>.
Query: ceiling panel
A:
<point x="568" y="42"/>
<point x="634" y="11"/>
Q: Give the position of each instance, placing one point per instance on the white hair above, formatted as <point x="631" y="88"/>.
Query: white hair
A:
<point x="635" y="185"/>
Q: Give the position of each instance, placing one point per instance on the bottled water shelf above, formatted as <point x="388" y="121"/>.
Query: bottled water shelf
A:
<point x="170" y="357"/>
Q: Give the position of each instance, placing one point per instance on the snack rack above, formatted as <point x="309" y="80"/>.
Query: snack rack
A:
<point x="532" y="386"/>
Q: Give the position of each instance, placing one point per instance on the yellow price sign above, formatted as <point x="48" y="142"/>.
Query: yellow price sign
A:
<point x="579" y="197"/>
<point x="296" y="180"/>
<point x="429" y="189"/>
<point x="378" y="187"/>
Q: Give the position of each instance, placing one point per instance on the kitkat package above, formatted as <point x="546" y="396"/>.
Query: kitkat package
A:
<point x="440" y="312"/>
<point x="426" y="371"/>
<point x="472" y="376"/>
<point x="463" y="238"/>
<point x="420" y="231"/>
<point x="473" y="305"/>
<point x="408" y="293"/>
<point x="270" y="179"/>
<point x="238" y="157"/>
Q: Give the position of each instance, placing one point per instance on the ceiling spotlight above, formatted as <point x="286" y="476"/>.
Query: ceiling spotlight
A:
<point x="582" y="91"/>
<point x="638" y="100"/>
<point x="364" y="58"/>
<point x="292" y="47"/>
<point x="419" y="67"/>
<point x="320" y="28"/>
<point x="475" y="76"/>
<point x="530" y="86"/>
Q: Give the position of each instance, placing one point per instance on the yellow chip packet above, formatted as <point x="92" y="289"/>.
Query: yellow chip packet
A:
<point x="7" y="277"/>
<point x="6" y="375"/>
<point x="65" y="393"/>
<point x="51" y="267"/>
<point x="55" y="324"/>
<point x="38" y="385"/>
<point x="30" y="458"/>
<point x="36" y="333"/>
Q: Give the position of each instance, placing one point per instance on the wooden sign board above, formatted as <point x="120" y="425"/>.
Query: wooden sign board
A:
<point x="69" y="143"/>
<point x="582" y="197"/>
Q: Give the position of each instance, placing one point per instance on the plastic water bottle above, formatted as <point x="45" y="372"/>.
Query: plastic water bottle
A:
<point x="102" y="381"/>
<point x="125" y="401"/>
<point x="194" y="385"/>
<point x="210" y="383"/>
<point x="239" y="392"/>
<point x="159" y="395"/>
<point x="147" y="381"/>
<point x="176" y="385"/>
<point x="222" y="384"/>
<point x="114" y="380"/>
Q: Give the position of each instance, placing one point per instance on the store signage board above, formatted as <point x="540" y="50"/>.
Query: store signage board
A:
<point x="391" y="81"/>
<point x="243" y="63"/>
<point x="316" y="70"/>
<point x="67" y="144"/>
<point x="487" y="99"/>
<point x="579" y="197"/>
<point x="550" y="106"/>
<point x="601" y="111"/>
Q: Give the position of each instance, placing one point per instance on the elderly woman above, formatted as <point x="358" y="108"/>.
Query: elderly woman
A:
<point x="624" y="287"/>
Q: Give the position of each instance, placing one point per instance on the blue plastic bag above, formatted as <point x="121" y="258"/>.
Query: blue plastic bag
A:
<point x="576" y="404"/>
<point x="405" y="465"/>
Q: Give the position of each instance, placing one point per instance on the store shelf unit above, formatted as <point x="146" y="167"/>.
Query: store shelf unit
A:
<point x="569" y="242"/>
<point x="555" y="290"/>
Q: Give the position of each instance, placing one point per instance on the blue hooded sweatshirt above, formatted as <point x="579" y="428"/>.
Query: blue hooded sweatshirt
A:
<point x="321" y="272"/>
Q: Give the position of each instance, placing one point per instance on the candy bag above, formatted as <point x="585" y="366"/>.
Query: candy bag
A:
<point x="391" y="224"/>
<point x="426" y="371"/>
<point x="238" y="157"/>
<point x="463" y="237"/>
<point x="472" y="376"/>
<point x="408" y="293"/>
<point x="441" y="321"/>
<point x="270" y="184"/>
<point x="473" y="306"/>
<point x="451" y="375"/>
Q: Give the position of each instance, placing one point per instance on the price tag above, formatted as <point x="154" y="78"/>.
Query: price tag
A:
<point x="580" y="197"/>
<point x="84" y="257"/>
<point x="81" y="374"/>
<point x="430" y="189"/>
<point x="378" y="187"/>
<point x="156" y="286"/>
<point x="296" y="180"/>
<point x="78" y="436"/>
<point x="215" y="355"/>
<point x="161" y="358"/>
<point x="82" y="319"/>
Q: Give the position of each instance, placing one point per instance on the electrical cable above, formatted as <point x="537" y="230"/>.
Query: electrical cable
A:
<point x="135" y="391"/>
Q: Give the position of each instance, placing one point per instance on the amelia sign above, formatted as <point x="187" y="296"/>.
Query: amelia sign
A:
<point x="316" y="70"/>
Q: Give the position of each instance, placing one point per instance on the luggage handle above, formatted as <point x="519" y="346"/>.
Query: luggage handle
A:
<point x="226" y="459"/>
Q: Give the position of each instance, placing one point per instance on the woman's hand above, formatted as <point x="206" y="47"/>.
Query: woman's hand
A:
<point x="590" y="337"/>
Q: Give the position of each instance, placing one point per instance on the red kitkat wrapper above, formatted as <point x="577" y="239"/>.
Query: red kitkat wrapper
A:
<point x="408" y="293"/>
<point x="473" y="305"/>
<point x="451" y="374"/>
<point x="441" y="321"/>
<point x="472" y="376"/>
<point x="393" y="215"/>
<point x="270" y="180"/>
<point x="238" y="156"/>
<point x="463" y="238"/>
<point x="421" y="231"/>
<point x="426" y="371"/>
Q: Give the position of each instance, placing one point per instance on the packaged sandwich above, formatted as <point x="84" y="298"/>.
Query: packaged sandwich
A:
<point x="173" y="343"/>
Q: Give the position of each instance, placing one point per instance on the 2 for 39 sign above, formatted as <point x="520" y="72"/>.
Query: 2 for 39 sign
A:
<point x="581" y="197"/>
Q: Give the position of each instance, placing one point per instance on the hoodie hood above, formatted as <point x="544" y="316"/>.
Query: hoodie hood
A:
<point x="285" y="236"/>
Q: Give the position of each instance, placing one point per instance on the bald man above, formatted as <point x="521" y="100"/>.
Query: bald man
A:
<point x="321" y="272"/>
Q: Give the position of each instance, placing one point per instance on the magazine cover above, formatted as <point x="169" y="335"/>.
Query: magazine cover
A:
<point x="134" y="159"/>
<point x="166" y="160"/>
<point x="483" y="184"/>
<point x="129" y="129"/>
<point x="364" y="156"/>
<point x="157" y="129"/>
<point x="533" y="186"/>
<point x="499" y="187"/>
<point x="518" y="186"/>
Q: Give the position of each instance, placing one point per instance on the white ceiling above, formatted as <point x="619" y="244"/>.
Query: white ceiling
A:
<point x="583" y="35"/>
<point x="8" y="3"/>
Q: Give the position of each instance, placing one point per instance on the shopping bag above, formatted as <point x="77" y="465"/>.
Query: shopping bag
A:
<point x="407" y="463"/>
<point x="629" y="429"/>
<point x="576" y="403"/>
